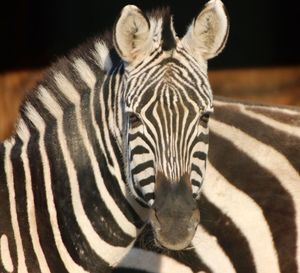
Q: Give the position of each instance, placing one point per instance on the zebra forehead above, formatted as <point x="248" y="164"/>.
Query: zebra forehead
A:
<point x="168" y="99"/>
<point x="169" y="86"/>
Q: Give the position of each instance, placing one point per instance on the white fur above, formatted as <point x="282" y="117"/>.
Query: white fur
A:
<point x="247" y="216"/>
<point x="284" y="127"/>
<point x="152" y="262"/>
<point x="211" y="253"/>
<point x="68" y="89"/>
<point x="5" y="256"/>
<point x="102" y="248"/>
<point x="272" y="108"/>
<point x="89" y="78"/>
<point x="270" y="159"/>
<point x="24" y="134"/>
<point x="85" y="72"/>
<point x="39" y="123"/>
<point x="148" y="188"/>
<point x="102" y="56"/>
<point x="106" y="251"/>
<point x="22" y="268"/>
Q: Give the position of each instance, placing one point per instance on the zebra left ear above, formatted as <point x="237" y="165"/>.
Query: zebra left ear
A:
<point x="131" y="36"/>
<point x="207" y="35"/>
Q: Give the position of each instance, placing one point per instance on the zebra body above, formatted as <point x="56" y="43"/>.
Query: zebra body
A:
<point x="250" y="200"/>
<point x="72" y="195"/>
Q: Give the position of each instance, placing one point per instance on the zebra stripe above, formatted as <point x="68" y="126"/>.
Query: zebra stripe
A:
<point x="12" y="201"/>
<point x="249" y="216"/>
<point x="89" y="79"/>
<point x="102" y="140"/>
<point x="5" y="254"/>
<point x="205" y="244"/>
<point x="24" y="135"/>
<point x="39" y="123"/>
<point x="72" y="95"/>
<point x="284" y="170"/>
<point x="98" y="245"/>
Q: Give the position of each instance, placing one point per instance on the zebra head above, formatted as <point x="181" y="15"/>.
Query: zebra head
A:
<point x="166" y="104"/>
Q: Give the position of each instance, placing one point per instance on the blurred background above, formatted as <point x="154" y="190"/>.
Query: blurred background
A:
<point x="261" y="61"/>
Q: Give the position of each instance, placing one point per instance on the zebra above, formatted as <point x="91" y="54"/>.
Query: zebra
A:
<point x="114" y="136"/>
<point x="250" y="202"/>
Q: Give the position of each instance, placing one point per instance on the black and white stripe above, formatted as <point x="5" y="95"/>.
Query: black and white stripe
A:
<point x="75" y="179"/>
<point x="64" y="205"/>
<point x="250" y="200"/>
<point x="159" y="112"/>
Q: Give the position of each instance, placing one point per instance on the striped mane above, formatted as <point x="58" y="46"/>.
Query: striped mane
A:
<point x="100" y="55"/>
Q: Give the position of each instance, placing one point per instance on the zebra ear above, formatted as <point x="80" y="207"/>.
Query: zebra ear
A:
<point x="132" y="34"/>
<point x="207" y="35"/>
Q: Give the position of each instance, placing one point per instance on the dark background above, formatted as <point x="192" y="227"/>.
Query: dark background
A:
<point x="36" y="32"/>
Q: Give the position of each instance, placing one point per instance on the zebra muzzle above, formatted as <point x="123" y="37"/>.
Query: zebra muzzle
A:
<point x="175" y="215"/>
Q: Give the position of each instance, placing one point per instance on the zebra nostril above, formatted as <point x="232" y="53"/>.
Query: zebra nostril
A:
<point x="158" y="224"/>
<point x="190" y="229"/>
<point x="155" y="221"/>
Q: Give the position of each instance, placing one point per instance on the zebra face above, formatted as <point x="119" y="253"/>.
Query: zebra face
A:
<point x="166" y="104"/>
<point x="167" y="143"/>
<point x="167" y="126"/>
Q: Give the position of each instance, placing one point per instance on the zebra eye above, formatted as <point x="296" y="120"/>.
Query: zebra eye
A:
<point x="204" y="119"/>
<point x="134" y="119"/>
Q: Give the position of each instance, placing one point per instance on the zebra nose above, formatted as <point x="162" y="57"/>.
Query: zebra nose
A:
<point x="174" y="233"/>
<point x="175" y="214"/>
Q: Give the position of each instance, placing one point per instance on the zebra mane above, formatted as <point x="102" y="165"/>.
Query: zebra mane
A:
<point x="168" y="34"/>
<point x="98" y="53"/>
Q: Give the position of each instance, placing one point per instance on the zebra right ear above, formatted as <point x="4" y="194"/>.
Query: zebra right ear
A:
<point x="131" y="35"/>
